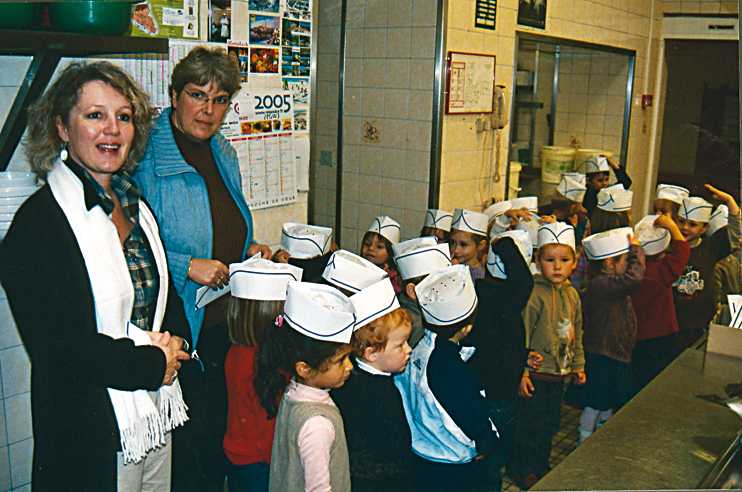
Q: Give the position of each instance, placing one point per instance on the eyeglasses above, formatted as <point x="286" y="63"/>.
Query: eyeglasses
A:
<point x="202" y="99"/>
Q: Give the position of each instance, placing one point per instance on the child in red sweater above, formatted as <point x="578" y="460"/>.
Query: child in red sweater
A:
<point x="666" y="257"/>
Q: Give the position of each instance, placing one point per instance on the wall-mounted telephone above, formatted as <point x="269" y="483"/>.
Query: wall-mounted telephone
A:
<point x="500" y="107"/>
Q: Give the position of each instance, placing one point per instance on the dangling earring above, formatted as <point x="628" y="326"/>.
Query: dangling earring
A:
<point x="64" y="154"/>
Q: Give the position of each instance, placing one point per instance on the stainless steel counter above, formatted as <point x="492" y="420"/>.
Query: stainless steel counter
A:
<point x="664" y="438"/>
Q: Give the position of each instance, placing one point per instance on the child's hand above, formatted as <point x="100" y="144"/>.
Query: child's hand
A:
<point x="534" y="360"/>
<point x="725" y="198"/>
<point x="633" y="240"/>
<point x="581" y="213"/>
<point x="281" y="256"/>
<point x="578" y="377"/>
<point x="665" y="221"/>
<point x="547" y="219"/>
<point x="526" y="387"/>
<point x="514" y="214"/>
<point x="610" y="161"/>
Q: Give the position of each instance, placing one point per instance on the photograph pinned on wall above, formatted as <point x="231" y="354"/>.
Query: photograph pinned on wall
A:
<point x="300" y="120"/>
<point x="239" y="51"/>
<point x="295" y="61"/>
<point x="299" y="88"/>
<point x="532" y="13"/>
<point x="265" y="29"/>
<point x="221" y="21"/>
<point x="165" y="18"/>
<point x="264" y="60"/>
<point x="295" y="33"/>
<point x="270" y="6"/>
<point x="297" y="9"/>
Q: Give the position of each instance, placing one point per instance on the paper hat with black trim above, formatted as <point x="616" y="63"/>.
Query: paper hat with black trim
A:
<point x="671" y="192"/>
<point x="653" y="239"/>
<point x="579" y="177"/>
<point x="494" y="263"/>
<point x="497" y="209"/>
<point x="607" y="244"/>
<point x="556" y="233"/>
<point x="261" y="279"/>
<point x="351" y="272"/>
<point x="447" y="296"/>
<point x="304" y="241"/>
<point x="531" y="227"/>
<point x="319" y="311"/>
<point x="386" y="227"/>
<point x="597" y="164"/>
<point x="374" y="301"/>
<point x="718" y="219"/>
<point x="571" y="189"/>
<point x="529" y="202"/>
<point x="439" y="219"/>
<point x="470" y="221"/>
<point x="695" y="208"/>
<point x="417" y="258"/>
<point x="415" y="242"/>
<point x="615" y="198"/>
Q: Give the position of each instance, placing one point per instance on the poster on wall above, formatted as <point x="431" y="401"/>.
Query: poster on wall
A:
<point x="265" y="30"/>
<point x="220" y="22"/>
<point x="165" y="18"/>
<point x="470" y="83"/>
<point x="295" y="33"/>
<point x="240" y="52"/>
<point x="532" y="13"/>
<point x="263" y="60"/>
<point x="295" y="61"/>
<point x="297" y="9"/>
<point x="268" y="6"/>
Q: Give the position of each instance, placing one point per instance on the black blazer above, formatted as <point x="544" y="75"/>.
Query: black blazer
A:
<point x="42" y="270"/>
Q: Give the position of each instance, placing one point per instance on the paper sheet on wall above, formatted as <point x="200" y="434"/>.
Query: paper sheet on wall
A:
<point x="165" y="18"/>
<point x="301" y="147"/>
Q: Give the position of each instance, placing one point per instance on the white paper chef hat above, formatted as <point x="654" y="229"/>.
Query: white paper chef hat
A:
<point x="556" y="233"/>
<point x="596" y="164"/>
<point x="470" y="221"/>
<point x="261" y="279"/>
<point x="440" y="219"/>
<point x="494" y="263"/>
<point x="447" y="296"/>
<point x="374" y="301"/>
<point x="718" y="219"/>
<point x="420" y="259"/>
<point x="607" y="244"/>
<point x="305" y="241"/>
<point x="671" y="192"/>
<point x="531" y="227"/>
<point x="414" y="243"/>
<point x="497" y="209"/>
<point x="571" y="189"/>
<point x="386" y="227"/>
<point x="319" y="311"/>
<point x="695" y="208"/>
<point x="579" y="177"/>
<point x="351" y="272"/>
<point x="615" y="198"/>
<point x="529" y="202"/>
<point x="653" y="239"/>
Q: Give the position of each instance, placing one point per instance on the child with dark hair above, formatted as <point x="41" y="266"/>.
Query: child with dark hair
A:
<point x="379" y="441"/>
<point x="668" y="199"/>
<point x="447" y="413"/>
<point x="437" y="224"/>
<point x="468" y="240"/>
<point x="597" y="174"/>
<point x="307" y="247"/>
<point x="258" y="295"/>
<point x="376" y="247"/>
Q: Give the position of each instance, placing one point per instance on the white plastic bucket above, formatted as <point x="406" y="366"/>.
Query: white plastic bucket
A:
<point x="584" y="154"/>
<point x="546" y="190"/>
<point x="555" y="161"/>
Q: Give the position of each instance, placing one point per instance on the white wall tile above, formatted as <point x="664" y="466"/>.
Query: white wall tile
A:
<point x="18" y="417"/>
<point x="9" y="336"/>
<point x="5" y="482"/>
<point x="21" y="457"/>
<point x="15" y="368"/>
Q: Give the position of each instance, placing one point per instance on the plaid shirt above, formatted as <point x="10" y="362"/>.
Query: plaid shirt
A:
<point x="141" y="266"/>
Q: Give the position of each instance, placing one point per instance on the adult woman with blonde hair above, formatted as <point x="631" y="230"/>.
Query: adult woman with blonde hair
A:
<point x="86" y="277"/>
<point x="191" y="177"/>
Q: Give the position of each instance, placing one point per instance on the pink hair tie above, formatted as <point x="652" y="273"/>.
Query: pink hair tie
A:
<point x="279" y="320"/>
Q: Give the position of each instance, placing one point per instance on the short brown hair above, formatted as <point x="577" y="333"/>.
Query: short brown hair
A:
<point x="603" y="220"/>
<point x="203" y="65"/>
<point x="448" y="331"/>
<point x="248" y="319"/>
<point x="376" y="333"/>
<point x="560" y="202"/>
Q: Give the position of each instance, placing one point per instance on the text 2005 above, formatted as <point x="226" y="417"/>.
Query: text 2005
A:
<point x="278" y="102"/>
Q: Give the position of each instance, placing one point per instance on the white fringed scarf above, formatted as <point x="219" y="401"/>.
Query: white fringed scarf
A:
<point x="142" y="426"/>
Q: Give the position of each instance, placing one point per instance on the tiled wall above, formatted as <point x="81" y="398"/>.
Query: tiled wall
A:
<point x="702" y="7"/>
<point x="389" y="75"/>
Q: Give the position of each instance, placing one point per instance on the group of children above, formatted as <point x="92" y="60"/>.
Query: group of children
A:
<point x="429" y="364"/>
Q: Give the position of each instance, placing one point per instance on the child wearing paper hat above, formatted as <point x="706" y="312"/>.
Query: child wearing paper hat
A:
<point x="373" y="413"/>
<point x="468" y="240"/>
<point x="499" y="335"/>
<point x="597" y="175"/>
<point x="310" y="342"/>
<point x="666" y="255"/>
<point x="727" y="272"/>
<point x="416" y="258"/>
<point x="553" y="329"/>
<point x="616" y="272"/>
<point x="695" y="292"/>
<point x="350" y="273"/>
<point x="376" y="246"/>
<point x="258" y="289"/>
<point x="446" y="411"/>
<point x="566" y="203"/>
<point x="668" y="199"/>
<point x="437" y="224"/>
<point x="305" y="246"/>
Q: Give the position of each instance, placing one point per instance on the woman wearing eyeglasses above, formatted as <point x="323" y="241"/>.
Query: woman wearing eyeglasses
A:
<point x="190" y="176"/>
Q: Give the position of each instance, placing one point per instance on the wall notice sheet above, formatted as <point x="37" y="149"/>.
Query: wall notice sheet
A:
<point x="260" y="128"/>
<point x="471" y="81"/>
<point x="165" y="18"/>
